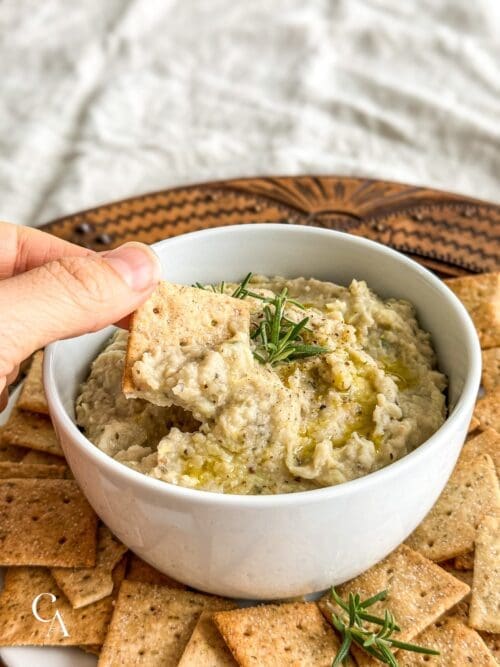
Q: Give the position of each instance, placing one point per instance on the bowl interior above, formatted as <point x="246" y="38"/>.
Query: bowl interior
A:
<point x="292" y="251"/>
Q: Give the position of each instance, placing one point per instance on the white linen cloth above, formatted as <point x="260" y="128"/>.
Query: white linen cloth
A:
<point x="103" y="99"/>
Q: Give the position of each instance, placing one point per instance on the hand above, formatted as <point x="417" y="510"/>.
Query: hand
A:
<point x="52" y="289"/>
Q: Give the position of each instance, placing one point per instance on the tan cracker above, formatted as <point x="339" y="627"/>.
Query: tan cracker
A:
<point x="485" y="603"/>
<point x="32" y="396"/>
<point x="206" y="647"/>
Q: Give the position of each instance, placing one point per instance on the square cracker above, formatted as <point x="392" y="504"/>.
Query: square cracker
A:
<point x="485" y="603"/>
<point x="82" y="586"/>
<point x="450" y="527"/>
<point x="487" y="442"/>
<point x="139" y="570"/>
<point x="10" y="470"/>
<point x="481" y="296"/>
<point x="46" y="522"/>
<point x="486" y="411"/>
<point x="19" y="627"/>
<point x="175" y="316"/>
<point x="32" y="396"/>
<point x="151" y="624"/>
<point x="206" y="647"/>
<point x="293" y="633"/>
<point x="457" y="644"/>
<point x="491" y="369"/>
<point x="419" y="591"/>
<point x="28" y="429"/>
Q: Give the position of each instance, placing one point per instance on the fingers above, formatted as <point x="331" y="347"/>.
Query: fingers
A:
<point x="23" y="248"/>
<point x="71" y="296"/>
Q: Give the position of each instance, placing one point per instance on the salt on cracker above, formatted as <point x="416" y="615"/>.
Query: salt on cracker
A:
<point x="28" y="429"/>
<point x="457" y="644"/>
<point x="487" y="442"/>
<point x="491" y="369"/>
<point x="21" y="470"/>
<point x="151" y="624"/>
<point x="481" y="296"/>
<point x="485" y="602"/>
<point x="32" y="396"/>
<point x="419" y="591"/>
<point x="450" y="527"/>
<point x="139" y="570"/>
<point x="19" y="627"/>
<point x="46" y="522"/>
<point x="292" y="633"/>
<point x="177" y="316"/>
<point x="82" y="586"/>
<point x="486" y="411"/>
<point x="206" y="647"/>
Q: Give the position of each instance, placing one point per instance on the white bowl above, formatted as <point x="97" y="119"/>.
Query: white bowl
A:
<point x="266" y="547"/>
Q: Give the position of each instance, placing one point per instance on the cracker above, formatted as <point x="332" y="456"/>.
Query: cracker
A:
<point x="491" y="369"/>
<point x="31" y="471"/>
<point x="19" y="627"/>
<point x="485" y="603"/>
<point x="11" y="452"/>
<point x="82" y="586"/>
<point x="46" y="522"/>
<point x="457" y="644"/>
<point x="481" y="296"/>
<point x="139" y="570"/>
<point x="486" y="411"/>
<point x="465" y="561"/>
<point x="151" y="624"/>
<point x="473" y="424"/>
<point x="32" y="396"/>
<point x="450" y="527"/>
<point x="175" y="316"/>
<point x="27" y="429"/>
<point x="293" y="633"/>
<point x="487" y="442"/>
<point x="492" y="641"/>
<point x="419" y="591"/>
<point x="206" y="647"/>
<point x="34" y="456"/>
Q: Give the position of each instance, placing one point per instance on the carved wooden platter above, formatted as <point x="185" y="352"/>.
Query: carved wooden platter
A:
<point x="449" y="233"/>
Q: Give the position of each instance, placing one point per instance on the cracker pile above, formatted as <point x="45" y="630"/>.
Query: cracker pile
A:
<point x="443" y="584"/>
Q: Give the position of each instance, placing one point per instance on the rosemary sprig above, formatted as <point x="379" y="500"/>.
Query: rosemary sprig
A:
<point x="277" y="338"/>
<point x="379" y="643"/>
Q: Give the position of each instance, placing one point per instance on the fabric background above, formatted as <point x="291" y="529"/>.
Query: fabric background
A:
<point x="103" y="99"/>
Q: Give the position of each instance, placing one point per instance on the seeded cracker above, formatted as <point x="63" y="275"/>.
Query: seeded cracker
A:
<point x="481" y="296"/>
<point x="487" y="442"/>
<point x="206" y="647"/>
<point x="491" y="369"/>
<point x="280" y="635"/>
<point x="46" y="522"/>
<point x="419" y="591"/>
<point x="82" y="586"/>
<point x="450" y="527"/>
<point x="27" y="429"/>
<point x="32" y="395"/>
<point x="182" y="316"/>
<point x="151" y="625"/>
<point x="139" y="570"/>
<point x="10" y="470"/>
<point x="458" y="645"/>
<point x="487" y="411"/>
<point x="18" y="626"/>
<point x="485" y="603"/>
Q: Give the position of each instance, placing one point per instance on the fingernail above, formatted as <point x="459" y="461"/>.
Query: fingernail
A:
<point x="136" y="263"/>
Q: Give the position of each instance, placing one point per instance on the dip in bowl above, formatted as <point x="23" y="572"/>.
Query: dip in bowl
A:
<point x="280" y="544"/>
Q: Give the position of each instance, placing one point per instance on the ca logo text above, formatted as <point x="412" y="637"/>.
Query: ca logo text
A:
<point x="55" y="618"/>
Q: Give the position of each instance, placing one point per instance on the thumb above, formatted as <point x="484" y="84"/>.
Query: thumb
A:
<point x="71" y="296"/>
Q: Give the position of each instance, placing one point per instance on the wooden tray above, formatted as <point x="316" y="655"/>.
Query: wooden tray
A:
<point x="451" y="234"/>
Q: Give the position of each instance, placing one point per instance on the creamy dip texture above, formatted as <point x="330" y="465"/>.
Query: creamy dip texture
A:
<point x="235" y="425"/>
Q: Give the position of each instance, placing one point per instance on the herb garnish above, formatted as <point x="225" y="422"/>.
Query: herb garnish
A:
<point x="377" y="644"/>
<point x="276" y="337"/>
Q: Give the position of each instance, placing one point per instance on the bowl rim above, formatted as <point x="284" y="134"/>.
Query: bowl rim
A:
<point x="462" y="408"/>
